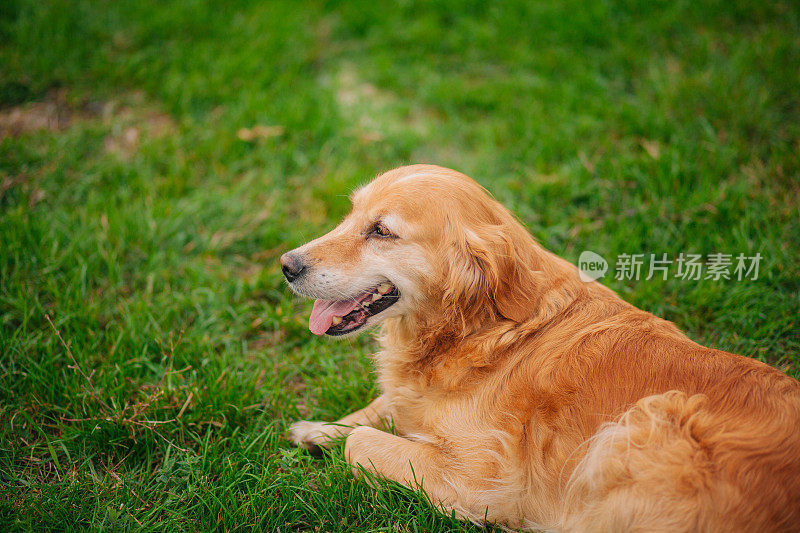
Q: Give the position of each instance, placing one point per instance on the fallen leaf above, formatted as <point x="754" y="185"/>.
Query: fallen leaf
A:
<point x="651" y="147"/>
<point x="264" y="132"/>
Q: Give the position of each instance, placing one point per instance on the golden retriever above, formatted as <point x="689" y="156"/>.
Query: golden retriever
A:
<point x="523" y="395"/>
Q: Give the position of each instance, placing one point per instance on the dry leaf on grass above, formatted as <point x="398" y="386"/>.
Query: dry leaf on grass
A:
<point x="259" y="131"/>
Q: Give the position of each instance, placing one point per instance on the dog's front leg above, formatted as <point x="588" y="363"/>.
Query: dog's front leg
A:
<point x="411" y="463"/>
<point x="309" y="434"/>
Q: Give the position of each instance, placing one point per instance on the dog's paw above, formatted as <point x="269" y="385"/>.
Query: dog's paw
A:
<point x="309" y="435"/>
<point x="356" y="446"/>
<point x="357" y="450"/>
<point x="306" y="432"/>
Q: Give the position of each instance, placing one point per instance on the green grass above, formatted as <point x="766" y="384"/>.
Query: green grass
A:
<point x="149" y="231"/>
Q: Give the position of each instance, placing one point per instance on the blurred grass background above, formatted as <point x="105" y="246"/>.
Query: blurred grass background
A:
<point x="156" y="159"/>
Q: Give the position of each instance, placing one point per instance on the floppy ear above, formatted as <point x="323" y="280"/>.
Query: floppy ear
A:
<point x="488" y="268"/>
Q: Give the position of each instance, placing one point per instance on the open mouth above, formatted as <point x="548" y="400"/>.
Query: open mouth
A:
<point x="334" y="317"/>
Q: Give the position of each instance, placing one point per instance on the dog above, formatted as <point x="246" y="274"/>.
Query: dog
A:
<point x="512" y="391"/>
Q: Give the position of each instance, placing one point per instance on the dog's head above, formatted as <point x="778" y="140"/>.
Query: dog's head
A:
<point x="423" y="243"/>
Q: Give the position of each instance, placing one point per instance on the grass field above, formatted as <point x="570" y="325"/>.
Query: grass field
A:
<point x="157" y="158"/>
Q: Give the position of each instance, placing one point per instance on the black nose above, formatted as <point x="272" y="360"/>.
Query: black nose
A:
<point x="292" y="266"/>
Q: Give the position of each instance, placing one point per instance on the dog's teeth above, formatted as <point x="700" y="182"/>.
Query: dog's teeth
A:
<point x="336" y="320"/>
<point x="383" y="288"/>
<point x="375" y="297"/>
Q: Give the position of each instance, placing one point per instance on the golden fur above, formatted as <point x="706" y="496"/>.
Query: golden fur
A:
<point x="523" y="395"/>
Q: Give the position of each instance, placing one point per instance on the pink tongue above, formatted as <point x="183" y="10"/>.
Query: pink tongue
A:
<point x="323" y="312"/>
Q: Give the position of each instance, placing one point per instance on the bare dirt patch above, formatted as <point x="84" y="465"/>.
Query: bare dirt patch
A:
<point x="51" y="114"/>
<point x="377" y="113"/>
<point x="129" y="117"/>
<point x="132" y="119"/>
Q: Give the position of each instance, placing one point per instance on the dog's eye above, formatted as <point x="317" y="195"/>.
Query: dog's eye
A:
<point x="379" y="230"/>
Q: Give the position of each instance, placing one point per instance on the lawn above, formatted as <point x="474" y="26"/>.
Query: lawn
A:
<point x="156" y="158"/>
